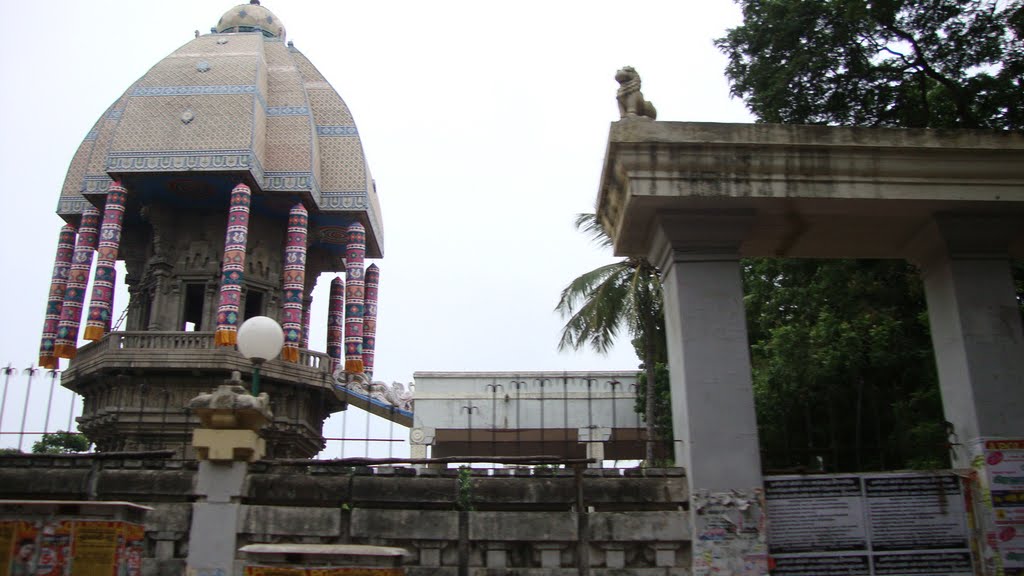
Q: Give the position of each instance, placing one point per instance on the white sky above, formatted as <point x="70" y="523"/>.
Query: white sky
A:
<point x="484" y="124"/>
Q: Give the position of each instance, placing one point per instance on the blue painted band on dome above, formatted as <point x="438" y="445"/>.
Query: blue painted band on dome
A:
<point x="192" y="90"/>
<point x="336" y="131"/>
<point x="288" y="111"/>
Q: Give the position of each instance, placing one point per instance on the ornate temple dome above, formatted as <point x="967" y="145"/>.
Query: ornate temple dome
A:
<point x="235" y="105"/>
<point x="250" y="17"/>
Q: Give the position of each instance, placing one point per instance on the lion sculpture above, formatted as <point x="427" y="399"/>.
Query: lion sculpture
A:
<point x="631" y="99"/>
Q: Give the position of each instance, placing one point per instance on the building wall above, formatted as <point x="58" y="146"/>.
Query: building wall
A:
<point x="542" y="521"/>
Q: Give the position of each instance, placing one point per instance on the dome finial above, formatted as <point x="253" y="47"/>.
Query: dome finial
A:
<point x="251" y="17"/>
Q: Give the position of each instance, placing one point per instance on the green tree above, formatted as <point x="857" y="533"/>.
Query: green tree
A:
<point x="600" y="303"/>
<point x="843" y="370"/>
<point x="903" y="63"/>
<point x="842" y="360"/>
<point x="61" y="442"/>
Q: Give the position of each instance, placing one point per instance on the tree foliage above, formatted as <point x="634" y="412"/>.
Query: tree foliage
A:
<point x="599" y="304"/>
<point x="844" y="376"/>
<point x="61" y="442"/>
<point x="904" y="63"/>
<point x="843" y="368"/>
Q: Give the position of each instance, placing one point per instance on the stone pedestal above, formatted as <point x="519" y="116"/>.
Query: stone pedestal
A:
<point x="225" y="444"/>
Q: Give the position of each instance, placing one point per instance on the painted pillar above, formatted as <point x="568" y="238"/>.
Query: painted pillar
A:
<point x="355" y="251"/>
<point x="307" y="305"/>
<point x="370" y="318"/>
<point x="233" y="269"/>
<point x="976" y="331"/>
<point x="66" y="344"/>
<point x="715" y="427"/>
<point x="336" y="323"/>
<point x="294" y="282"/>
<point x="97" y="323"/>
<point x="58" y="284"/>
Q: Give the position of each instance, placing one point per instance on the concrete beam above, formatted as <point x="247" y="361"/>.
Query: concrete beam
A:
<point x="816" y="191"/>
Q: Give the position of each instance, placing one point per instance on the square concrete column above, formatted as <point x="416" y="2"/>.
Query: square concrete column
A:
<point x="715" y="427"/>
<point x="976" y="331"/>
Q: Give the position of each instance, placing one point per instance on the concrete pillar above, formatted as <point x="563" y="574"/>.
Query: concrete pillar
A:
<point x="418" y="451"/>
<point x="215" y="517"/>
<point x="419" y="439"/>
<point x="715" y="426"/>
<point x="709" y="360"/>
<point x="594" y="438"/>
<point x="976" y="331"/>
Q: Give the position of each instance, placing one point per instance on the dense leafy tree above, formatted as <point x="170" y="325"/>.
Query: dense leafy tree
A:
<point x="599" y="304"/>
<point x="61" y="442"/>
<point x="843" y="369"/>
<point x="844" y="376"/>
<point x="909" y="63"/>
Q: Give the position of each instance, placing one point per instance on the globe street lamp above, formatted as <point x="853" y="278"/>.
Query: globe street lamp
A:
<point x="259" y="339"/>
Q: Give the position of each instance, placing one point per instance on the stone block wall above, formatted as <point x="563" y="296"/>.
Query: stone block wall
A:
<point x="451" y="523"/>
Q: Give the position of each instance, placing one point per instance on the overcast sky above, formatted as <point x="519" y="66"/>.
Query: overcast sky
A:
<point x="484" y="124"/>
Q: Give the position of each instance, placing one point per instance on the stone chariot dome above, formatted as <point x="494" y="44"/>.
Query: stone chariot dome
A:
<point x="227" y="179"/>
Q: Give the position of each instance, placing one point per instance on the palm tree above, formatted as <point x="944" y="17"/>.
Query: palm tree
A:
<point x="601" y="302"/>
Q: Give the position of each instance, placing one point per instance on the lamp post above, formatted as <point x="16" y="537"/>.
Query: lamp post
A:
<point x="259" y="339"/>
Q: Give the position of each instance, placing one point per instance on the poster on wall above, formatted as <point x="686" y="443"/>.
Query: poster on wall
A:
<point x="95" y="548"/>
<point x="1004" y="466"/>
<point x="133" y="550"/>
<point x="20" y="544"/>
<point x="54" y="548"/>
<point x="868" y="525"/>
<point x="815" y="514"/>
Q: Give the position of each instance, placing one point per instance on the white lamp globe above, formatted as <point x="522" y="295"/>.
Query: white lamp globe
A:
<point x="260" y="339"/>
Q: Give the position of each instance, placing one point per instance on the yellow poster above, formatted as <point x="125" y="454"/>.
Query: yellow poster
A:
<point x="7" y="530"/>
<point x="95" y="548"/>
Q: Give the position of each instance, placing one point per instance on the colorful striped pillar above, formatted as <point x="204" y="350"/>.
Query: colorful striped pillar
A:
<point x="307" y="305"/>
<point x="233" y="269"/>
<point x="97" y="322"/>
<point x="58" y="282"/>
<point x="370" y="317"/>
<point x="336" y="322"/>
<point x="66" y="343"/>
<point x="294" y="281"/>
<point x="355" y="251"/>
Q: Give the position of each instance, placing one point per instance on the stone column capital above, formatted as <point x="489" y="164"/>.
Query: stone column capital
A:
<point x="965" y="236"/>
<point x="699" y="235"/>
